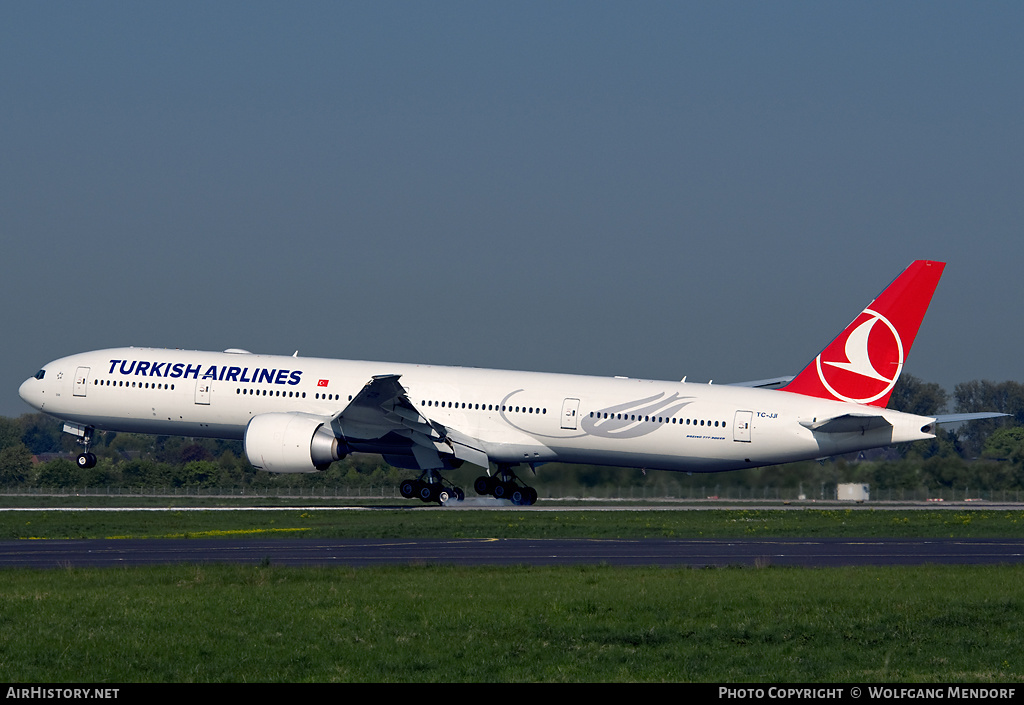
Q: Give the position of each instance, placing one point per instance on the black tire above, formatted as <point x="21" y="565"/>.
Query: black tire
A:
<point x="482" y="485"/>
<point x="408" y="489"/>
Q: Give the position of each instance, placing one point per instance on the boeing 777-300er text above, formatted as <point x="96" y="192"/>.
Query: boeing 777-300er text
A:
<point x="298" y="414"/>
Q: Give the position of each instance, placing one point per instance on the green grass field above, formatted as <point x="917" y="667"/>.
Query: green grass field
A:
<point x="430" y="623"/>
<point x="525" y="523"/>
<point x="440" y="623"/>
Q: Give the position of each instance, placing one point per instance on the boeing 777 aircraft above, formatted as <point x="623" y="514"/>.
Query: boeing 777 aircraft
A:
<point x="298" y="414"/>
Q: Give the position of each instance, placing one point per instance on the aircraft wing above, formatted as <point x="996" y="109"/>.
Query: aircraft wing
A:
<point x="383" y="406"/>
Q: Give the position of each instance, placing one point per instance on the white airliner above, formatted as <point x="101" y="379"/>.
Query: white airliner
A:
<point x="298" y="414"/>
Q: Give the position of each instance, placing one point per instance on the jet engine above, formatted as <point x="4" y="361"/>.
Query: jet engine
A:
<point x="291" y="442"/>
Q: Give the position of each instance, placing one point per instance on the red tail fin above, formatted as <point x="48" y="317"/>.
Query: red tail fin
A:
<point x="863" y="363"/>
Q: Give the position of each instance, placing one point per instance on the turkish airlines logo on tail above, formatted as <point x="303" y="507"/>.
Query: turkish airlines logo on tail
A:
<point x="864" y="364"/>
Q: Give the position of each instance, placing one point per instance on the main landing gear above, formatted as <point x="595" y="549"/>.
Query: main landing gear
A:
<point x="431" y="487"/>
<point x="505" y="485"/>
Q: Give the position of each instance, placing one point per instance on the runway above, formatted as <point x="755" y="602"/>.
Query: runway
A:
<point x="696" y="553"/>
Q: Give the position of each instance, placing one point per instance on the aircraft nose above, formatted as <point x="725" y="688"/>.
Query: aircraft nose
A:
<point x="31" y="391"/>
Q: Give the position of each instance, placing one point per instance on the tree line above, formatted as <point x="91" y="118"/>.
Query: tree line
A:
<point x="985" y="455"/>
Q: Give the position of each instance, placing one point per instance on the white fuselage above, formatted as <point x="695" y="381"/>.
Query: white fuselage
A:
<point x="517" y="417"/>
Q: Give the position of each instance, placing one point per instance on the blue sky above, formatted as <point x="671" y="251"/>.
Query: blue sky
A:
<point x="643" y="189"/>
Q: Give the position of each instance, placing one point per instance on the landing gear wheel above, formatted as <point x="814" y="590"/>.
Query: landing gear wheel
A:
<point x="85" y="459"/>
<point x="483" y="485"/>
<point x="505" y="485"/>
<point x="431" y="487"/>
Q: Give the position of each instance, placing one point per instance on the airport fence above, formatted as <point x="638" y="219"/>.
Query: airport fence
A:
<point x="665" y="493"/>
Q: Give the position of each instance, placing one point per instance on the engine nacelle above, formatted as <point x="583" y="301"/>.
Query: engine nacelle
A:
<point x="291" y="442"/>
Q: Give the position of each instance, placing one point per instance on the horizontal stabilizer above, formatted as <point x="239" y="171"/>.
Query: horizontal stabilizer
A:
<point x="848" y="423"/>
<point x="771" y="383"/>
<point x="963" y="418"/>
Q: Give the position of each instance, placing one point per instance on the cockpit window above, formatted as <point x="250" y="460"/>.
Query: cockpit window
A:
<point x="40" y="374"/>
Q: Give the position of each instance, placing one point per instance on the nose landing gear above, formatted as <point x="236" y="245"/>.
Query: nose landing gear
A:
<point x="85" y="459"/>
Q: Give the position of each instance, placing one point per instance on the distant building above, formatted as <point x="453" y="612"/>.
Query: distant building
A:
<point x="853" y="492"/>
